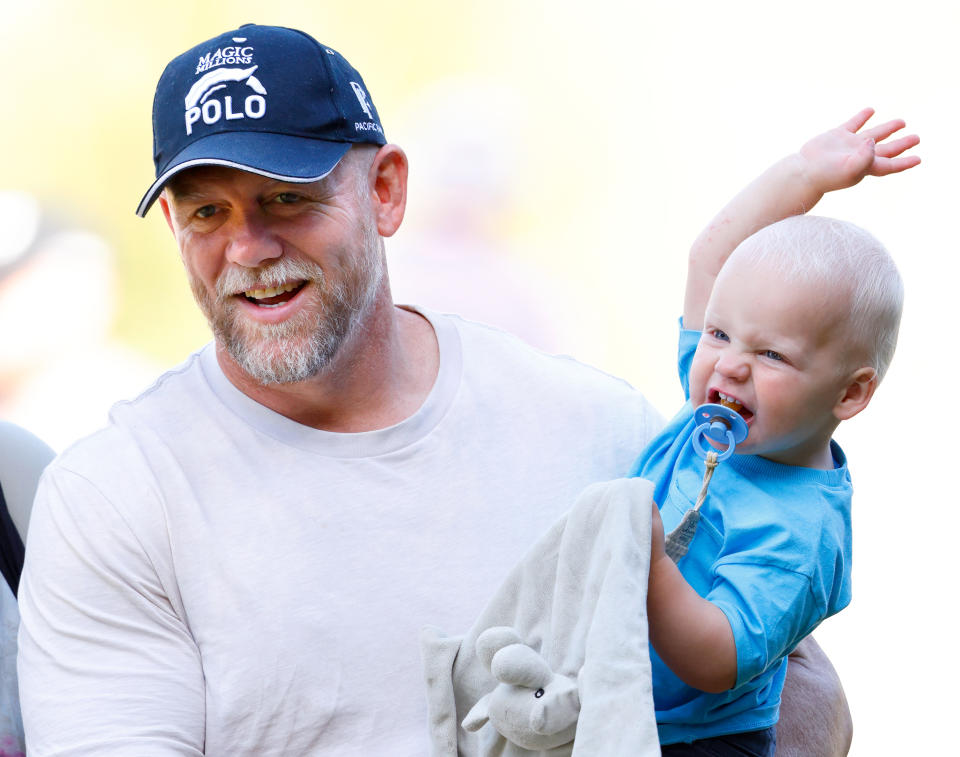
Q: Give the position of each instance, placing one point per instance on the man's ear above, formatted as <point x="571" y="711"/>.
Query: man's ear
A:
<point x="388" y="188"/>
<point x="857" y="394"/>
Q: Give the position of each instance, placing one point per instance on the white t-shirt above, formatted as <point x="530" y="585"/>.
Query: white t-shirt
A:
<point x="207" y="576"/>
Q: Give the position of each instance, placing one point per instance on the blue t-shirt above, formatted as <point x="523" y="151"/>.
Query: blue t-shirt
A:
<point x="772" y="550"/>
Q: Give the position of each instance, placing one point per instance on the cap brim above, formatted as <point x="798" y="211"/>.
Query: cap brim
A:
<point x="278" y="156"/>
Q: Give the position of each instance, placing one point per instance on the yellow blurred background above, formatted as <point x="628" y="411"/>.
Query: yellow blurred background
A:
<point x="563" y="157"/>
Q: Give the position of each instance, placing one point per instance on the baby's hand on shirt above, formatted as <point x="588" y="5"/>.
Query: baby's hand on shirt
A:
<point x="841" y="157"/>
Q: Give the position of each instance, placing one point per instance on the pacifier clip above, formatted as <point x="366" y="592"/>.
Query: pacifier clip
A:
<point x="720" y="424"/>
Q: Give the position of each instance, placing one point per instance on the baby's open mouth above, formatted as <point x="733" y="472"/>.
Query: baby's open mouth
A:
<point x="730" y="402"/>
<point x="270" y="297"/>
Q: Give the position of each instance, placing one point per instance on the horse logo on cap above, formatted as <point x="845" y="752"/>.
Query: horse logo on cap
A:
<point x="197" y="105"/>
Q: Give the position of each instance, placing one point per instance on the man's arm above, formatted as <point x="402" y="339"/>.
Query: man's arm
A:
<point x="836" y="159"/>
<point x="814" y="716"/>
<point x="106" y="663"/>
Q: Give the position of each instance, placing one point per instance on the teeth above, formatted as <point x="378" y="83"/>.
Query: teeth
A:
<point x="729" y="402"/>
<point x="261" y="294"/>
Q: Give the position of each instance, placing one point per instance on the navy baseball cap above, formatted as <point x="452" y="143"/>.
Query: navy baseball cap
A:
<point x="264" y="99"/>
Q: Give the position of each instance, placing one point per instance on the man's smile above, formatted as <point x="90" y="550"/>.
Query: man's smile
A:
<point x="270" y="297"/>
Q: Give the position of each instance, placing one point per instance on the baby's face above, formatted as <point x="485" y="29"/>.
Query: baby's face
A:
<point x="775" y="348"/>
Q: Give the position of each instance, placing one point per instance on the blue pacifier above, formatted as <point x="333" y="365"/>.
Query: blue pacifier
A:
<point x="721" y="424"/>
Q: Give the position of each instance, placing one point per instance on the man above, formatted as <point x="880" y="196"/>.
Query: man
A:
<point x="240" y="563"/>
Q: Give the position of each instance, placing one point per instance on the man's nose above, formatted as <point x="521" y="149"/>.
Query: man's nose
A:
<point x="251" y="242"/>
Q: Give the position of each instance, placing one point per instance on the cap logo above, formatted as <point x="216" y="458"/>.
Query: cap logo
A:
<point x="362" y="98"/>
<point x="199" y="104"/>
<point x="226" y="56"/>
<point x="361" y="126"/>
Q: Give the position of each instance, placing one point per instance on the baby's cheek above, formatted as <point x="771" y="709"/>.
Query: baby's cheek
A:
<point x="699" y="372"/>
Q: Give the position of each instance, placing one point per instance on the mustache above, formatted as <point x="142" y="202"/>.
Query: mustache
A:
<point x="237" y="279"/>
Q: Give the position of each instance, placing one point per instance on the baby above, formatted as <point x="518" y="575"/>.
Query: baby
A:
<point x="793" y="327"/>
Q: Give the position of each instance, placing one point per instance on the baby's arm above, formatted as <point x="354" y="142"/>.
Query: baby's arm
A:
<point x="836" y="159"/>
<point x="691" y="635"/>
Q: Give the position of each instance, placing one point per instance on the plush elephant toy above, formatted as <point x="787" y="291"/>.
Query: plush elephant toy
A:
<point x="532" y="706"/>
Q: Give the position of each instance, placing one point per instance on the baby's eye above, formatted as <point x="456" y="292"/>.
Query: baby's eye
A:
<point x="772" y="355"/>
<point x="719" y="334"/>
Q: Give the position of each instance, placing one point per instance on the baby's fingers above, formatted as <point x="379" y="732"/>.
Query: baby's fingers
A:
<point x="885" y="166"/>
<point x="897" y="146"/>
<point x="884" y="130"/>
<point x="856" y="122"/>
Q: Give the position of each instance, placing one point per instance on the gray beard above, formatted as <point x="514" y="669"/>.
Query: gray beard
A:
<point x="305" y="345"/>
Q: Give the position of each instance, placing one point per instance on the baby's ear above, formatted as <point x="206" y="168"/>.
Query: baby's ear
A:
<point x="858" y="393"/>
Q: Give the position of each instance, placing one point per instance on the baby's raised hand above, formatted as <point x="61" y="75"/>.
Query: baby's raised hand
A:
<point x="841" y="157"/>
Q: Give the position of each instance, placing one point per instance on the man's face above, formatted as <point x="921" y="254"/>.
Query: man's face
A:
<point x="281" y="271"/>
<point x="775" y="348"/>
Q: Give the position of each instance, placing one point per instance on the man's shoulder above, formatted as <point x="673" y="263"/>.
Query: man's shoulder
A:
<point x="516" y="382"/>
<point x="176" y="397"/>
<point x="511" y="357"/>
<point x="167" y="402"/>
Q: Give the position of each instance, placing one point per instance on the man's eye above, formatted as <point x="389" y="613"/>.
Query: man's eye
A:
<point x="287" y="198"/>
<point x="772" y="355"/>
<point x="205" y="211"/>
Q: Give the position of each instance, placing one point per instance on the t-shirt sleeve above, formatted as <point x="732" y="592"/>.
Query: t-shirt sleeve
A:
<point x="770" y="610"/>
<point x="106" y="665"/>
<point x="685" y="351"/>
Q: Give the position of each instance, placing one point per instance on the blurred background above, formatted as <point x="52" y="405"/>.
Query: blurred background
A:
<point x="563" y="157"/>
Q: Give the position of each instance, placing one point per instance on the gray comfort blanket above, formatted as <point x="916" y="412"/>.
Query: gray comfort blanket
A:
<point x="578" y="598"/>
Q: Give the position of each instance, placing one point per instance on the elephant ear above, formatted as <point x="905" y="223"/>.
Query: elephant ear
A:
<point x="478" y="716"/>
<point x="493" y="640"/>
<point x="519" y="665"/>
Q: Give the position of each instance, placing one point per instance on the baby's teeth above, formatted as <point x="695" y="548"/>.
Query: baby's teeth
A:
<point x="729" y="402"/>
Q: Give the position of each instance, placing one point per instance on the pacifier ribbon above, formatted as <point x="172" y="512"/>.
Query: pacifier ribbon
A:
<point x="722" y="425"/>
